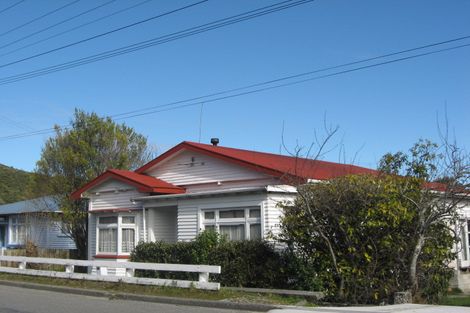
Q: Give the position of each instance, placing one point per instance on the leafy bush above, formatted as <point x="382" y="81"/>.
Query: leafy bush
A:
<point x="244" y="263"/>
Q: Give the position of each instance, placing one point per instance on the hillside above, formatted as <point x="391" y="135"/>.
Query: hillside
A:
<point x="15" y="185"/>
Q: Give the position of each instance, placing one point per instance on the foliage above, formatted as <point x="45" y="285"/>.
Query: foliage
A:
<point x="356" y="230"/>
<point x="444" y="173"/>
<point x="244" y="263"/>
<point x="16" y="185"/>
<point x="81" y="152"/>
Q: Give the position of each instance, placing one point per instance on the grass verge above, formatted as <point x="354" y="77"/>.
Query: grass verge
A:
<point x="221" y="295"/>
<point x="460" y="300"/>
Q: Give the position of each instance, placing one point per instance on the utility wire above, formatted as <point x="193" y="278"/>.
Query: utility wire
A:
<point x="11" y="6"/>
<point x="77" y="27"/>
<point x="57" y="24"/>
<point x="39" y="17"/>
<point x="103" y="34"/>
<point x="156" y="41"/>
<point x="324" y="69"/>
<point x="292" y="83"/>
<point x="171" y="106"/>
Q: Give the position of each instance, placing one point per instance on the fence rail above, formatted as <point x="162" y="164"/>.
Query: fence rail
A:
<point x="102" y="271"/>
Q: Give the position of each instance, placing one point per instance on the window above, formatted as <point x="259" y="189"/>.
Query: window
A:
<point x="234" y="223"/>
<point x="116" y="234"/>
<point x="17" y="230"/>
<point x="128" y="240"/>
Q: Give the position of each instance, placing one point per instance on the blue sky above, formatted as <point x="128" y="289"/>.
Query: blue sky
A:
<point x="378" y="110"/>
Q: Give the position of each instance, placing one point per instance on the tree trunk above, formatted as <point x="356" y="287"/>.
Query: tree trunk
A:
<point x="414" y="264"/>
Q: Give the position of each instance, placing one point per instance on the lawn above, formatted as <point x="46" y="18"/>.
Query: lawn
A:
<point x="456" y="299"/>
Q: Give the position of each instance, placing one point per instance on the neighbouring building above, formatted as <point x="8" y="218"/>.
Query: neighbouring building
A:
<point x="193" y="187"/>
<point x="32" y="220"/>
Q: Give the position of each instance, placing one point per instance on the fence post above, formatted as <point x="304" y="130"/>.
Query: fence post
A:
<point x="69" y="268"/>
<point x="203" y="277"/>
<point x="130" y="272"/>
<point x="103" y="271"/>
<point x="22" y="265"/>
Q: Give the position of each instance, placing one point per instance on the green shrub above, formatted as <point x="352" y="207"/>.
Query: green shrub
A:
<point x="251" y="263"/>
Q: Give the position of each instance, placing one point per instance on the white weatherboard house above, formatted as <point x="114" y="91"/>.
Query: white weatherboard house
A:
<point x="30" y="220"/>
<point x="193" y="187"/>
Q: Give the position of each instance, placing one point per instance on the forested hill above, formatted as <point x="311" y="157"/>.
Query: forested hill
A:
<point x="16" y="185"/>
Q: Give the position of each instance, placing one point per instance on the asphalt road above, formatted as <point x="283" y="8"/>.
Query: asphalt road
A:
<point x="22" y="300"/>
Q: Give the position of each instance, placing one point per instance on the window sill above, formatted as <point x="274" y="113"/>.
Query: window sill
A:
<point x="112" y="256"/>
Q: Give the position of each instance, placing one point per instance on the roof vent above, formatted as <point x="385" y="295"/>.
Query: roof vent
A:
<point x="214" y="141"/>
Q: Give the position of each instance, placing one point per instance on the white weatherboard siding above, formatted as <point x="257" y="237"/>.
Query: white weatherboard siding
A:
<point x="260" y="182"/>
<point x="273" y="213"/>
<point x="114" y="195"/>
<point x="187" y="228"/>
<point x="162" y="224"/>
<point x="190" y="168"/>
<point x="92" y="219"/>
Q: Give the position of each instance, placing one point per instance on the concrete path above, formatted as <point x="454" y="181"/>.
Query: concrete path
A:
<point x="402" y="308"/>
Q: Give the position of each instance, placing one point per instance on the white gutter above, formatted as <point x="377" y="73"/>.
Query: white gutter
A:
<point x="233" y="191"/>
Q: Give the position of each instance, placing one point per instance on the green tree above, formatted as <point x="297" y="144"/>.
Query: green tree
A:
<point x="356" y="231"/>
<point x="444" y="174"/>
<point x="369" y="236"/>
<point x="81" y="152"/>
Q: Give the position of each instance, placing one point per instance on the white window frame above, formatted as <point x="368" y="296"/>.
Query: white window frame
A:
<point x="464" y="244"/>
<point x="14" y="229"/>
<point x="246" y="220"/>
<point x="119" y="226"/>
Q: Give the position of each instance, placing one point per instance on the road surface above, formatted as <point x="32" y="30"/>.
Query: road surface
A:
<point x="22" y="300"/>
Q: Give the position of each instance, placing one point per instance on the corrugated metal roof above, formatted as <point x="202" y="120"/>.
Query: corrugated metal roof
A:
<point x="43" y="204"/>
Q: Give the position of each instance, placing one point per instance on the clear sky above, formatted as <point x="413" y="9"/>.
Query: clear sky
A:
<point x="380" y="109"/>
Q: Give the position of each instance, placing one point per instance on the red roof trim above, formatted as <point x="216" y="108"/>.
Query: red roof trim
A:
<point x="287" y="168"/>
<point x="156" y="186"/>
<point x="189" y="146"/>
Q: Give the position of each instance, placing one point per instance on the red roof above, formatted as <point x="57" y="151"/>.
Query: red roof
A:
<point x="144" y="183"/>
<point x="272" y="164"/>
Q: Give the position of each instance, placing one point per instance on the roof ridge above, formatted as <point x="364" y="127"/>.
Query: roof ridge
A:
<point x="197" y="144"/>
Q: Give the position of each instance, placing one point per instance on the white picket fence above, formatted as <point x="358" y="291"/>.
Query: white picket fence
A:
<point x="102" y="271"/>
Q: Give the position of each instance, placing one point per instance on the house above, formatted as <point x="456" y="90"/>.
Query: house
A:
<point x="193" y="187"/>
<point x="31" y="220"/>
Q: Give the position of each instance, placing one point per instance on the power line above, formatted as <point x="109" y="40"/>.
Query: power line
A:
<point x="39" y="17"/>
<point x="57" y="24"/>
<point x="171" y="106"/>
<point x="156" y="41"/>
<point x="324" y="69"/>
<point x="103" y="34"/>
<point x="76" y="27"/>
<point x="293" y="83"/>
<point x="12" y="6"/>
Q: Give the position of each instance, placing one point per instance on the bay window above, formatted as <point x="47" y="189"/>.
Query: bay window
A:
<point x="116" y="234"/>
<point x="234" y="223"/>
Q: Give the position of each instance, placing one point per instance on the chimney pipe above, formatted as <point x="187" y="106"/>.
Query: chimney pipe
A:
<point x="215" y="141"/>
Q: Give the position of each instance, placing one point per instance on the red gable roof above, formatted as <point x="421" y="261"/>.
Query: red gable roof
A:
<point x="143" y="183"/>
<point x="272" y="164"/>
